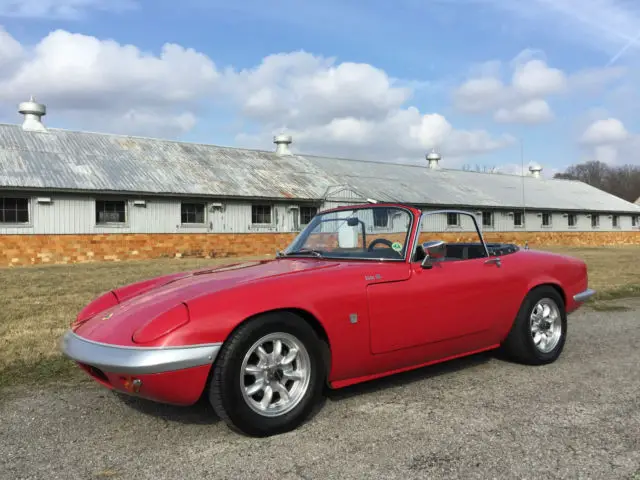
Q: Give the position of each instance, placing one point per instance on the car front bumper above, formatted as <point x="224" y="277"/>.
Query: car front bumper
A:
<point x="137" y="360"/>
<point x="584" y="296"/>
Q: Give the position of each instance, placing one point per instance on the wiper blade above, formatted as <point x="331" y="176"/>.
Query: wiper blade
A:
<point x="303" y="251"/>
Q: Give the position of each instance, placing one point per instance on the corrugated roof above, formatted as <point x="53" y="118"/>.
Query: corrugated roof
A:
<point x="70" y="160"/>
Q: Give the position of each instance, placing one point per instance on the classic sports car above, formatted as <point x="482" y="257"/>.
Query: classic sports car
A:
<point x="362" y="292"/>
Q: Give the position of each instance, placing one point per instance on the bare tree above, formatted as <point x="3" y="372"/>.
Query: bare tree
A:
<point x="622" y="181"/>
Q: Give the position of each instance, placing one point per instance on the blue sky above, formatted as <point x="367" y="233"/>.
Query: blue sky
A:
<point x="475" y="79"/>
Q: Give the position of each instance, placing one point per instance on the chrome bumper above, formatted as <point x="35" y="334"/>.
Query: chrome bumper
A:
<point x="137" y="360"/>
<point x="584" y="296"/>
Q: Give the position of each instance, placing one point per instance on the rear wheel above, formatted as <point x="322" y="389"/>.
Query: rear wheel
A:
<point x="268" y="375"/>
<point x="539" y="331"/>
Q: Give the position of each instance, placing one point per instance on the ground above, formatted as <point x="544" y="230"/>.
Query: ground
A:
<point x="475" y="417"/>
<point x="479" y="417"/>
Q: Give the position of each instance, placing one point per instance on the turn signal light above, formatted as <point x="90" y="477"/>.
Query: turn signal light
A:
<point x="162" y="325"/>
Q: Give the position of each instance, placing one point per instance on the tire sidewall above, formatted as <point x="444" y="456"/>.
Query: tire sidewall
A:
<point x="535" y="296"/>
<point x="238" y="412"/>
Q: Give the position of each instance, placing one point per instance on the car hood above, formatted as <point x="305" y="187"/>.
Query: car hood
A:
<point x="116" y="324"/>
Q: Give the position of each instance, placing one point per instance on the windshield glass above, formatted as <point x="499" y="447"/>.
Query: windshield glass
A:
<point x="362" y="233"/>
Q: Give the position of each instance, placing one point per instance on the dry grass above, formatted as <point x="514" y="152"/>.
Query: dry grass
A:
<point x="40" y="302"/>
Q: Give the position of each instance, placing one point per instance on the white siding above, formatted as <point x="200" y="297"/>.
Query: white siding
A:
<point x="75" y="214"/>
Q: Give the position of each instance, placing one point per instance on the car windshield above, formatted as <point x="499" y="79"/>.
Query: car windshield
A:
<point x="375" y="233"/>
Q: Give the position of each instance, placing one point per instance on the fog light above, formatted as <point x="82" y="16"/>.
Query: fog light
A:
<point x="132" y="384"/>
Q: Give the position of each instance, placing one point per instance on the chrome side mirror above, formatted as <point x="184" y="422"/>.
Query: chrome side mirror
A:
<point x="435" y="249"/>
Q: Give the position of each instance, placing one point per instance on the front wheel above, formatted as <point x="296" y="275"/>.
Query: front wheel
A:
<point x="268" y="375"/>
<point x="539" y="331"/>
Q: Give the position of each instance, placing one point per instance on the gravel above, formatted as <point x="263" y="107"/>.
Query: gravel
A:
<point x="479" y="417"/>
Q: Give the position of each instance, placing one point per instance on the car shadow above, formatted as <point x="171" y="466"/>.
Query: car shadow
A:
<point x="411" y="376"/>
<point x="200" y="413"/>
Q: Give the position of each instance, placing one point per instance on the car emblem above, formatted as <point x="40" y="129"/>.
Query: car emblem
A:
<point x="107" y="316"/>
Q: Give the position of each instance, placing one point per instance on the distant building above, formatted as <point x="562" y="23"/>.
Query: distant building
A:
<point x="62" y="190"/>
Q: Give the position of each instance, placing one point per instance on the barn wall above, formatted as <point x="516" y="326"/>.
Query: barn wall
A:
<point x="46" y="249"/>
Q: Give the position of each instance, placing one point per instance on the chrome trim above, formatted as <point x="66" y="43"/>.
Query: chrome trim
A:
<point x="405" y="259"/>
<point x="136" y="360"/>
<point x="584" y="296"/>
<point x="423" y="214"/>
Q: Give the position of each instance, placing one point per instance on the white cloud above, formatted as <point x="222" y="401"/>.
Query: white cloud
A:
<point x="604" y="132"/>
<point x="61" y="9"/>
<point x="341" y="108"/>
<point x="531" y="112"/>
<point x="523" y="99"/>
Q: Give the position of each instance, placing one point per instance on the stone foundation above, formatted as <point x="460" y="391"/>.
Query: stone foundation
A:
<point x="50" y="249"/>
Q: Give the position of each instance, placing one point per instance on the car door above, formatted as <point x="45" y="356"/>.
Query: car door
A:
<point x="455" y="298"/>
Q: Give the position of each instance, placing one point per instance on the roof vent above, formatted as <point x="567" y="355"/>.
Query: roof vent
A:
<point x="33" y="113"/>
<point x="433" y="158"/>
<point x="535" y="170"/>
<point x="282" y="144"/>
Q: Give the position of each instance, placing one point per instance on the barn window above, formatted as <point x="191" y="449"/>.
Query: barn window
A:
<point x="453" y="220"/>
<point x="487" y="219"/>
<point x="595" y="220"/>
<point x="572" y="220"/>
<point x="261" y="214"/>
<point x="307" y="214"/>
<point x="546" y="219"/>
<point x="14" y="210"/>
<point x="615" y="221"/>
<point x="192" y="213"/>
<point x="110" y="211"/>
<point x="634" y="221"/>
<point x="380" y="217"/>
<point x="517" y="219"/>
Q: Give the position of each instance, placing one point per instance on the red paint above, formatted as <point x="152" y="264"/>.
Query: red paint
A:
<point x="407" y="316"/>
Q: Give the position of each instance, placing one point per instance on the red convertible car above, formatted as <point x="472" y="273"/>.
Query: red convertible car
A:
<point x="362" y="292"/>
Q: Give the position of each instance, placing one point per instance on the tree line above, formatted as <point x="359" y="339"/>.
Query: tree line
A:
<point x="622" y="181"/>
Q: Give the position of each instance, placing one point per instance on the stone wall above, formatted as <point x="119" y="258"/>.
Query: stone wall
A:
<point x="48" y="249"/>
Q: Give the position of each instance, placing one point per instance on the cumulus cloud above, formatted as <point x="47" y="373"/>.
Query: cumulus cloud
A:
<point x="609" y="141"/>
<point x="604" y="132"/>
<point x="524" y="97"/>
<point x="531" y="112"/>
<point x="330" y="107"/>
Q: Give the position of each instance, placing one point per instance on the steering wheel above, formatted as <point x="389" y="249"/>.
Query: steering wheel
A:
<point x="383" y="241"/>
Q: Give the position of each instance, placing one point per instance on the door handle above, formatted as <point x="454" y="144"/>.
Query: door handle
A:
<point x="495" y="260"/>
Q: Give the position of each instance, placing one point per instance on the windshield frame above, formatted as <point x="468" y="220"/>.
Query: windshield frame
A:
<point x="301" y="238"/>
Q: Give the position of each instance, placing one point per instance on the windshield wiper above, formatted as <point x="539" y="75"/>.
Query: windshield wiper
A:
<point x="303" y="251"/>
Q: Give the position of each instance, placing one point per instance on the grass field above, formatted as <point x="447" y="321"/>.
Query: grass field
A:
<point x="40" y="302"/>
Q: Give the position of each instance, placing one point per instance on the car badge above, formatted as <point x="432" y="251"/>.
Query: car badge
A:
<point x="107" y="316"/>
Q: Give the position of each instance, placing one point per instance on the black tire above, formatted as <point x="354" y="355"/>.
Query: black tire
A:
<point x="225" y="389"/>
<point x="519" y="345"/>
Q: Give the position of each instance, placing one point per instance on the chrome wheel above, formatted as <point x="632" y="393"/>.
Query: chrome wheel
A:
<point x="545" y="324"/>
<point x="275" y="374"/>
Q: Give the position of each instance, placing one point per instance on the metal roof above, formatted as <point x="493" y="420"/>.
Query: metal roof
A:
<point x="70" y="160"/>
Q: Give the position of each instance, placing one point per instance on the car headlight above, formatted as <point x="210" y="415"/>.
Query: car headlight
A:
<point x="162" y="325"/>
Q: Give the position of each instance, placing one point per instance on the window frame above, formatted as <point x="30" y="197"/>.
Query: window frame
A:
<point x="522" y="220"/>
<point x="548" y="215"/>
<point x="573" y="216"/>
<point x="124" y="223"/>
<point x="204" y="213"/>
<point x="491" y="219"/>
<point x="615" y="221"/>
<point x="27" y="199"/>
<point x="271" y="215"/>
<point x="457" y="223"/>
<point x="301" y="224"/>
<point x="596" y="217"/>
